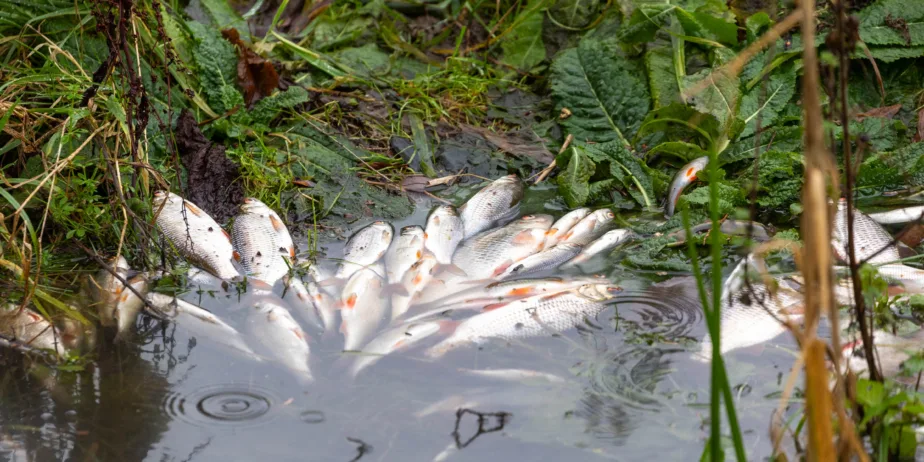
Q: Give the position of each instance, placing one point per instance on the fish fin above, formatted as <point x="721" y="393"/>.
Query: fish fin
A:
<point x="524" y="237"/>
<point x="502" y="268"/>
<point x="395" y="289"/>
<point x="494" y="306"/>
<point x="449" y="268"/>
<point x="447" y="326"/>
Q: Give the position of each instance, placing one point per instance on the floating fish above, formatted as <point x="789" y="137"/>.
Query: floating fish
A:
<point x="530" y="317"/>
<point x="548" y="259"/>
<point x="515" y="375"/>
<point x="563" y="225"/>
<point x="891" y="352"/>
<point x="489" y="254"/>
<point x="911" y="278"/>
<point x="443" y="234"/>
<point x="415" y="279"/>
<point x="589" y="228"/>
<point x="271" y="326"/>
<point x="362" y="308"/>
<point x="31" y="329"/>
<point x="685" y="176"/>
<point x="297" y="295"/>
<point x="898" y="216"/>
<point x="129" y="305"/>
<point x="405" y="250"/>
<point x="265" y="248"/>
<point x="495" y="202"/>
<point x="604" y="243"/>
<point x="105" y="289"/>
<point x="324" y="303"/>
<point x="196" y="235"/>
<point x="872" y="243"/>
<point x="392" y="340"/>
<point x="365" y="248"/>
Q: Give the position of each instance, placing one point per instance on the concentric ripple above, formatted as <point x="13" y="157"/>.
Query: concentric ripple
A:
<point x="223" y="405"/>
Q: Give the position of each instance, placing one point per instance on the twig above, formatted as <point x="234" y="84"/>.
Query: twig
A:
<point x="548" y="170"/>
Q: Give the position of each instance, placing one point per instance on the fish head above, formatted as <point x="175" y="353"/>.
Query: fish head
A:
<point x="419" y="330"/>
<point x="412" y="231"/>
<point x="384" y="229"/>
<point x="603" y="216"/>
<point x="253" y="205"/>
<point x="535" y="221"/>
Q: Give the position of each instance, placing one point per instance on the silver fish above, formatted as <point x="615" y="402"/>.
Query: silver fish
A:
<point x="364" y="248"/>
<point x="30" y="328"/>
<point x="272" y="327"/>
<point x="515" y="375"/>
<point x="530" y="317"/>
<point x="589" y="228"/>
<point x="489" y="254"/>
<point x="198" y="322"/>
<point x="195" y="234"/>
<point x="891" y="352"/>
<point x="415" y="279"/>
<point x="872" y="242"/>
<point x="563" y="225"/>
<point x="105" y="290"/>
<point x="130" y="304"/>
<point x="443" y="233"/>
<point x="362" y="308"/>
<point x="603" y="244"/>
<point x="549" y="258"/>
<point x="297" y="295"/>
<point x="685" y="176"/>
<point x="494" y="202"/>
<point x="265" y="248"/>
<point x="911" y="278"/>
<point x="324" y="303"/>
<point x="392" y="340"/>
<point x="897" y="216"/>
<point x="405" y="250"/>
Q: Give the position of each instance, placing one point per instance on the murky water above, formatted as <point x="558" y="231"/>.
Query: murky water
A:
<point x="621" y="386"/>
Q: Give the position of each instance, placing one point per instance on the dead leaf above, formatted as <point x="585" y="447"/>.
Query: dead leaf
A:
<point x="522" y="142"/>
<point x="886" y="111"/>
<point x="256" y="76"/>
<point x="919" y="136"/>
<point x="303" y="183"/>
<point x="415" y="183"/>
<point x="213" y="181"/>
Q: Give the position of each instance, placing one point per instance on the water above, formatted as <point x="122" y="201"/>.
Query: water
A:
<point x="621" y="386"/>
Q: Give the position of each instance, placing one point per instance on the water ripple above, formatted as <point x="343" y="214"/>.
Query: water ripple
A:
<point x="223" y="405"/>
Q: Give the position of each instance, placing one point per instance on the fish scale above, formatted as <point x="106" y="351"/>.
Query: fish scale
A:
<point x="546" y="260"/>
<point x="872" y="242"/>
<point x="530" y="317"/>
<point x="492" y="252"/>
<point x="685" y="176"/>
<point x="365" y="248"/>
<point x="272" y="327"/>
<point x="195" y="234"/>
<point x="495" y="202"/>
<point x="391" y="340"/>
<point x="262" y="254"/>
<point x="563" y="225"/>
<point x="589" y="228"/>
<point x="604" y="243"/>
<point x="443" y="233"/>
<point x="405" y="250"/>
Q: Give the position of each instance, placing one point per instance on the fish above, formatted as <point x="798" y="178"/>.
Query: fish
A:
<point x="529" y="317"/>
<point x="685" y="176"/>
<point x="515" y="375"/>
<point x="272" y="327"/>
<point x="265" y="247"/>
<point x="196" y="235"/>
<point x="548" y="259"/>
<point x="129" y="304"/>
<point x="199" y="277"/>
<point x="362" y="308"/>
<point x="416" y="278"/>
<point x="891" y="352"/>
<point x="105" y="289"/>
<point x="911" y="278"/>
<point x="563" y="225"/>
<point x="394" y="339"/>
<point x="590" y="227"/>
<point x="324" y="303"/>
<point x="296" y="294"/>
<point x="404" y="251"/>
<point x="898" y="216"/>
<point x="872" y="243"/>
<point x="29" y="328"/>
<point x="199" y="322"/>
<point x="443" y="234"/>
<point x="490" y="253"/>
<point x="604" y="243"/>
<point x="364" y="248"/>
<point x="497" y="201"/>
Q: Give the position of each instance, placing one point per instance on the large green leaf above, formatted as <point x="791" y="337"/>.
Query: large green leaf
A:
<point x="768" y="102"/>
<point x="780" y="138"/>
<point x="605" y="95"/>
<point x="681" y="122"/>
<point x="644" y="23"/>
<point x="680" y="149"/>
<point x="901" y="168"/>
<point x="223" y="16"/>
<point x="574" y="14"/>
<point x="662" y="80"/>
<point x="574" y="178"/>
<point x="891" y="54"/>
<point x="893" y="22"/>
<point x="217" y="62"/>
<point x="713" y="92"/>
<point x="626" y="169"/>
<point x="523" y="46"/>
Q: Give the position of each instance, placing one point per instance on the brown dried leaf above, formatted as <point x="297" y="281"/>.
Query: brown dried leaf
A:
<point x="415" y="183"/>
<point x="256" y="76"/>
<point x="886" y="111"/>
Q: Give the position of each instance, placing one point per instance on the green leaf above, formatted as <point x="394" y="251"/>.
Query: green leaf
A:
<point x="662" y="80"/>
<point x="268" y="108"/>
<point x="894" y="170"/>
<point x="573" y="180"/>
<point x="625" y="168"/>
<point x="368" y="59"/>
<point x="223" y="16"/>
<point x="719" y="94"/>
<point x="707" y="26"/>
<point x="606" y="97"/>
<point x="680" y="149"/>
<point x="216" y="60"/>
<point x="574" y="14"/>
<point x="523" y="46"/>
<point x="645" y="22"/>
<point x="680" y="121"/>
<point x="893" y="22"/>
<point x="891" y="54"/>
<point x="768" y="102"/>
<point x="780" y="138"/>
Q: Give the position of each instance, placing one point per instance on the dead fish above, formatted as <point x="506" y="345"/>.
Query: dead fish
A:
<point x="105" y="289"/>
<point x="129" y="304"/>
<point x="362" y="308"/>
<point x="563" y="225"/>
<point x="296" y="294"/>
<point x="897" y="216"/>
<point x="891" y="352"/>
<point x="489" y="254"/>
<point x="443" y="234"/>
<point x="685" y="176"/>
<point x="515" y="375"/>
<point x="392" y="340"/>
<point x="496" y="201"/>
<point x="872" y="243"/>
<point x="195" y="234"/>
<point x="405" y="250"/>
<point x="548" y="259"/>
<point x="200" y="323"/>
<point x="759" y="232"/>
<point x="415" y="279"/>
<point x="324" y="303"/>
<point x="589" y="228"/>
<point x="603" y="244"/>
<point x="272" y="327"/>
<point x="530" y="317"/>
<point x="203" y="279"/>
<point x="265" y="248"/>
<point x="31" y="329"/>
<point x="365" y="248"/>
<point x="911" y="278"/>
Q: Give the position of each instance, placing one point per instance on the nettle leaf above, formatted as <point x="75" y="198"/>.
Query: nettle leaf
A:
<point x="662" y="80"/>
<point x="223" y="15"/>
<point x="523" y="46"/>
<point x="893" y="22"/>
<point x="574" y="178"/>
<point x="779" y="179"/>
<point x="644" y="23"/>
<point x="729" y="196"/>
<point x="681" y="122"/>
<point x="216" y="60"/>
<point x="713" y="93"/>
<point x="679" y="149"/>
<point x="606" y="97"/>
<point x="625" y="168"/>
<point x="768" y="102"/>
<point x="268" y="108"/>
